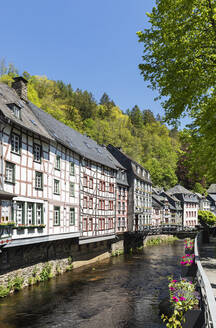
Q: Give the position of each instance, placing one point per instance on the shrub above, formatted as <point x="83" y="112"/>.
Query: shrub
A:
<point x="46" y="272"/>
<point x="206" y="217"/>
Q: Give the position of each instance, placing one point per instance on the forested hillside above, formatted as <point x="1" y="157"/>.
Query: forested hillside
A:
<point x="136" y="131"/>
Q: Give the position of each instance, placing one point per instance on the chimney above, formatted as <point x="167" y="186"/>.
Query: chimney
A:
<point x="20" y="86"/>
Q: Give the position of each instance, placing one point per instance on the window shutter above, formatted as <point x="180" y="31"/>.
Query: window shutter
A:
<point x="23" y="213"/>
<point x="33" y="213"/>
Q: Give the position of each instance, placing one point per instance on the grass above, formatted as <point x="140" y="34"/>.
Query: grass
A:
<point x="158" y="241"/>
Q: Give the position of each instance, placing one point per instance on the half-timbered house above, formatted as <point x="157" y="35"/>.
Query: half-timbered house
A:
<point x="139" y="192"/>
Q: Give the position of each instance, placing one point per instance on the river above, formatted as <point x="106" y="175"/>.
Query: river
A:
<point x="121" y="292"/>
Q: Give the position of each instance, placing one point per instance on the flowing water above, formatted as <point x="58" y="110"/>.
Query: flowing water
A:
<point x="120" y="292"/>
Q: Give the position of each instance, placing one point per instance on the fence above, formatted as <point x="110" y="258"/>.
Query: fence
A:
<point x="206" y="291"/>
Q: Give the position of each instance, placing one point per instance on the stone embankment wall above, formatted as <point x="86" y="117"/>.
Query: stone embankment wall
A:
<point x="33" y="263"/>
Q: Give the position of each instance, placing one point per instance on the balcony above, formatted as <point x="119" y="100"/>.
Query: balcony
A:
<point x="6" y="231"/>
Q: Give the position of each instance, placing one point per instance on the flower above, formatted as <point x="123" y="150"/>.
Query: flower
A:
<point x="187" y="260"/>
<point x="182" y="298"/>
<point x="175" y="299"/>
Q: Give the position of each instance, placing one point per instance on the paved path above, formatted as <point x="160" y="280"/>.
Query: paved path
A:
<point x="207" y="254"/>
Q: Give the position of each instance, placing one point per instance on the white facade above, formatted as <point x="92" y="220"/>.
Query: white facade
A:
<point x="29" y="171"/>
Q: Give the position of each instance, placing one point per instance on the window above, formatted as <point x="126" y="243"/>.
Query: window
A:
<point x="20" y="219"/>
<point x="38" y="180"/>
<point x="101" y="204"/>
<point x="30" y="213"/>
<point x="85" y="224"/>
<point x="91" y="183"/>
<point x="37" y="153"/>
<point x="16" y="110"/>
<point x="111" y="187"/>
<point x="85" y="181"/>
<point x="58" y="162"/>
<point x="10" y="172"/>
<point x="85" y="202"/>
<point x="110" y="223"/>
<point x="102" y="185"/>
<point x="90" y="202"/>
<point x="101" y="224"/>
<point x="15" y="143"/>
<point x="119" y="206"/>
<point x="39" y="214"/>
<point x="123" y="206"/>
<point x="56" y="215"/>
<point x="56" y="187"/>
<point x="90" y="224"/>
<point x="71" y="191"/>
<point x="72" y="216"/>
<point x="72" y="168"/>
<point x="111" y="205"/>
<point x="123" y="222"/>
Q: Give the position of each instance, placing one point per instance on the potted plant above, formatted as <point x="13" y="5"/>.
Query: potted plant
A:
<point x="189" y="246"/>
<point x="184" y="305"/>
<point x="188" y="266"/>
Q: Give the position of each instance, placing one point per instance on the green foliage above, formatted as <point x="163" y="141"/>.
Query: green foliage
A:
<point x="117" y="252"/>
<point x="17" y="283"/>
<point x="183" y="297"/>
<point x="207" y="217"/>
<point x="199" y="188"/>
<point x="179" y="61"/>
<point x="4" y="291"/>
<point x="46" y="272"/>
<point x="158" y="241"/>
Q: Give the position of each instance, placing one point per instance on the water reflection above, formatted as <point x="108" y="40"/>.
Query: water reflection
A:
<point x="120" y="292"/>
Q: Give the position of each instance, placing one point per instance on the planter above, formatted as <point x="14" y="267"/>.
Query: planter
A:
<point x="194" y="319"/>
<point x="189" y="271"/>
<point x="189" y="251"/>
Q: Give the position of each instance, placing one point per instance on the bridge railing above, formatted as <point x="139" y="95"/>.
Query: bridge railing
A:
<point x="165" y="228"/>
<point x="206" y="292"/>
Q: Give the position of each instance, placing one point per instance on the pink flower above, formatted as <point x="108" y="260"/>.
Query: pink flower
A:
<point x="175" y="299"/>
<point x="182" y="298"/>
<point x="174" y="280"/>
<point x="172" y="288"/>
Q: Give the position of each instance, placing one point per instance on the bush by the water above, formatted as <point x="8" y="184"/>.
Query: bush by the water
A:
<point x="207" y="217"/>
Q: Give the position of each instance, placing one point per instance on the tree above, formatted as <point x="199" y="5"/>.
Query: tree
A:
<point x="136" y="117"/>
<point x="105" y="100"/>
<point x="206" y="217"/>
<point x="180" y="55"/>
<point x="148" y="116"/>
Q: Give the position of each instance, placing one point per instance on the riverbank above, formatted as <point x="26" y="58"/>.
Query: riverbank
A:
<point x="122" y="291"/>
<point x="16" y="280"/>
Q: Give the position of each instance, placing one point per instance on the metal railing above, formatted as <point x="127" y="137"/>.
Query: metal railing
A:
<point x="166" y="228"/>
<point x="206" y="292"/>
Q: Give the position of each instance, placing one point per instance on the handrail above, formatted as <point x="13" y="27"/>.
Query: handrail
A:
<point x="206" y="291"/>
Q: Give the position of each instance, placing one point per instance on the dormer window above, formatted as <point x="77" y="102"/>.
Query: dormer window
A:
<point x="16" y="110"/>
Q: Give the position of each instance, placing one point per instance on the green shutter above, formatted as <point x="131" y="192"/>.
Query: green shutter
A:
<point x="33" y="213"/>
<point x="14" y="173"/>
<point x="42" y="214"/>
<point x="23" y="213"/>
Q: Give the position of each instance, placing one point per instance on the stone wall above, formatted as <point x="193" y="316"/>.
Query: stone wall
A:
<point x="28" y="262"/>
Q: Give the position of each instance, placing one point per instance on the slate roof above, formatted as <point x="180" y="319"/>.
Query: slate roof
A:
<point x="28" y="119"/>
<point x="43" y="124"/>
<point x="212" y="196"/>
<point x="72" y="139"/>
<point x="178" y="189"/>
<point x="212" y="189"/>
<point x="155" y="204"/>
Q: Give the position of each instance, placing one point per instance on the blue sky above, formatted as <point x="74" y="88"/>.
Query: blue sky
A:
<point x="91" y="44"/>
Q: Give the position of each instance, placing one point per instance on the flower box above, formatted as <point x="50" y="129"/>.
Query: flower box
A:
<point x="193" y="319"/>
<point x="189" y="271"/>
